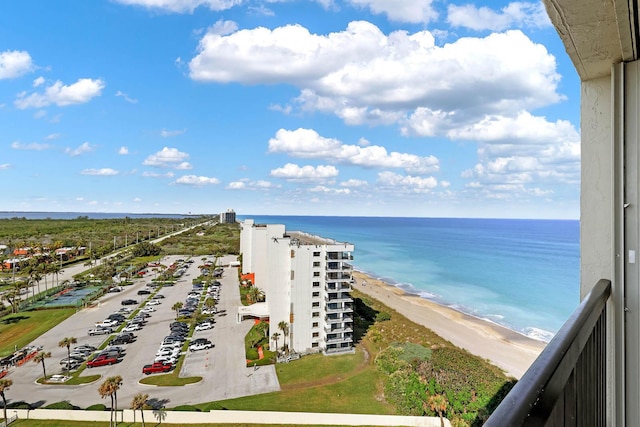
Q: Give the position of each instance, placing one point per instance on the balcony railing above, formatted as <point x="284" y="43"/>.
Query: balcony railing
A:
<point x="566" y="385"/>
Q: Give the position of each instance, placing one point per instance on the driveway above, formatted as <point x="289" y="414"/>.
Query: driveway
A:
<point x="222" y="367"/>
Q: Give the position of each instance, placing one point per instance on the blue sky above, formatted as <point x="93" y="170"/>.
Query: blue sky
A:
<point x="291" y="107"/>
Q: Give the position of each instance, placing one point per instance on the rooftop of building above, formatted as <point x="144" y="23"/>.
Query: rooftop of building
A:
<point x="302" y="238"/>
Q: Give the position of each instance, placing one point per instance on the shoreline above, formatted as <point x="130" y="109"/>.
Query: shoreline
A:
<point x="507" y="349"/>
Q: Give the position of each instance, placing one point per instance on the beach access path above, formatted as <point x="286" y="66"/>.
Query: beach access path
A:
<point x="507" y="349"/>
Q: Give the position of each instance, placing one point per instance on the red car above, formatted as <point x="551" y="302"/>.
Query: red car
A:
<point x="102" y="360"/>
<point x="157" y="367"/>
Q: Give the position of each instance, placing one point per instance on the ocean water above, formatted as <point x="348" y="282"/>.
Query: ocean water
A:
<point x="522" y="274"/>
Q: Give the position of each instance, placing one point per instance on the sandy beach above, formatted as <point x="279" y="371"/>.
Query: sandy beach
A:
<point x="505" y="348"/>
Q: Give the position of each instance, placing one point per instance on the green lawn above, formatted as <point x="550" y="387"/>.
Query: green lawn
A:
<point x="315" y="367"/>
<point x="18" y="330"/>
<point x="152" y="422"/>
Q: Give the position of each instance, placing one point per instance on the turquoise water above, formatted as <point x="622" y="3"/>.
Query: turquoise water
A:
<point x="522" y="274"/>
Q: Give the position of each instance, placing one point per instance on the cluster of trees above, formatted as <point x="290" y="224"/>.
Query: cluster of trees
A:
<point x="445" y="381"/>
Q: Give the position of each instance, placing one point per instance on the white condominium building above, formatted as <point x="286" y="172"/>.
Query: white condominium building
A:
<point x="306" y="281"/>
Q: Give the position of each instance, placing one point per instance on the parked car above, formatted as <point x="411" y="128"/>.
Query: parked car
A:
<point x="148" y="310"/>
<point x="121" y="339"/>
<point x="154" y="302"/>
<point x="107" y="323"/>
<point x="144" y="292"/>
<point x="157" y="296"/>
<point x="196" y="346"/>
<point x="102" y="360"/>
<point x="204" y="326"/>
<point x="156" y="367"/>
<point x="132" y="327"/>
<point x="84" y="347"/>
<point x="129" y="302"/>
<point x="72" y="359"/>
<point x="116" y="289"/>
<point x="100" y="331"/>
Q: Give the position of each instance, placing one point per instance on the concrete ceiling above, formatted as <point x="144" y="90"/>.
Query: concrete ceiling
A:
<point x="596" y="34"/>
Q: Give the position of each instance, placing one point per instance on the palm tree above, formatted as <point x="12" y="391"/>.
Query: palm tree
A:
<point x="210" y="303"/>
<point x="176" y="307"/>
<point x="438" y="403"/>
<point x="284" y="327"/>
<point x="106" y="389"/>
<point x="138" y="402"/>
<point x="39" y="358"/>
<point x="275" y="337"/>
<point x="110" y="388"/>
<point x="4" y="386"/>
<point x="68" y="342"/>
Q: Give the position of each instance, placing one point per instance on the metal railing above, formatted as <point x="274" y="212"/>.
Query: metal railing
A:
<point x="566" y="385"/>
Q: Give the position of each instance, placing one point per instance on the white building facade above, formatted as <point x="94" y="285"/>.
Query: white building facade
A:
<point x="306" y="281"/>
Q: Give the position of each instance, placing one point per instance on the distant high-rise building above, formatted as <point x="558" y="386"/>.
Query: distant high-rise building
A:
<point x="307" y="283"/>
<point x="228" y="217"/>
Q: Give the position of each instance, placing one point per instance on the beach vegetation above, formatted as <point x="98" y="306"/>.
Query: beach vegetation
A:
<point x="383" y="316"/>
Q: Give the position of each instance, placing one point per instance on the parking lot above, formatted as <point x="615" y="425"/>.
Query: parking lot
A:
<point x="222" y="367"/>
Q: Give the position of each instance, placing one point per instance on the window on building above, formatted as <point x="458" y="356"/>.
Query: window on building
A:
<point x="316" y="284"/>
<point x="293" y="253"/>
<point x="316" y="264"/>
<point x="316" y="294"/>
<point x="292" y="275"/>
<point x="316" y="334"/>
<point x="315" y="304"/>
<point x="314" y="325"/>
<point x="315" y="274"/>
<point x="315" y="314"/>
<point x="314" y="344"/>
<point x="316" y="254"/>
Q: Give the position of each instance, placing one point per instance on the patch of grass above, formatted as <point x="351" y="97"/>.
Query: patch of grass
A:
<point x="169" y="380"/>
<point x="355" y="394"/>
<point x="315" y="367"/>
<point x="18" y="330"/>
<point x="63" y="423"/>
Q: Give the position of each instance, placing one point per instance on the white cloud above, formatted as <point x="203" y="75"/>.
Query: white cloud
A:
<point x="306" y="143"/>
<point x="126" y="97"/>
<point x="168" y="157"/>
<point x="34" y="146"/>
<point x="85" y="147"/>
<point x="158" y="175"/>
<point x="400" y="10"/>
<point x="294" y="172"/>
<point x="100" y="172"/>
<point x="53" y="136"/>
<point x="169" y="133"/>
<point x="247" y="184"/>
<point x="38" y="82"/>
<point x="522" y="150"/>
<point x="405" y="183"/>
<point x="137" y="200"/>
<point x="183" y="6"/>
<point x="513" y="15"/>
<point x="123" y="150"/>
<point x="354" y="183"/>
<point x="40" y="114"/>
<point x="14" y="63"/>
<point x="5" y="166"/>
<point x="366" y="77"/>
<point x="328" y="190"/>
<point x="196" y="180"/>
<point x="80" y="92"/>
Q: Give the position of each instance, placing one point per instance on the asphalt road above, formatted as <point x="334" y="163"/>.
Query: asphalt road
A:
<point x="222" y="367"/>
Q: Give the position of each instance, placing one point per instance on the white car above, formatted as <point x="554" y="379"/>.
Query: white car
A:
<point x="148" y="310"/>
<point x="132" y="328"/>
<point x="166" y="359"/>
<point x="170" y="346"/>
<point x="204" y="326"/>
<point x="169" y="353"/>
<point x="100" y="331"/>
<point x="154" y="302"/>
<point x="107" y="323"/>
<point x="200" y="346"/>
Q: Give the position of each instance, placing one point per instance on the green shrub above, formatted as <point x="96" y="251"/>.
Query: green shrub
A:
<point x="383" y="316"/>
<point x="97" y="407"/>
<point x="186" y="408"/>
<point x="19" y="405"/>
<point x="65" y="404"/>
